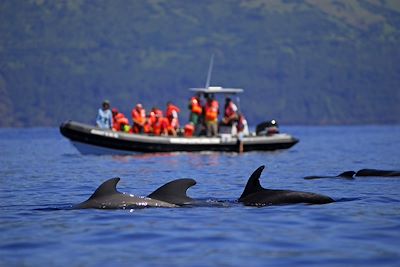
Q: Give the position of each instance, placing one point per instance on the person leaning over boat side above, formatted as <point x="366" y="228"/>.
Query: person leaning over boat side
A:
<point x="242" y="126"/>
<point x="195" y="113"/>
<point x="120" y="122"/>
<point x="172" y="118"/>
<point x="104" y="118"/>
<point x="230" y="112"/>
<point x="211" y="116"/>
<point x="138" y="118"/>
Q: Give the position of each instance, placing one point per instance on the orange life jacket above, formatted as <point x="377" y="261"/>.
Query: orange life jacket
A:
<point x="211" y="111"/>
<point x="195" y="106"/>
<point x="139" y="116"/>
<point x="159" y="126"/>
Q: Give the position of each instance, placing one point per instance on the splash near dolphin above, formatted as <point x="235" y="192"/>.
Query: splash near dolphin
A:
<point x="170" y="195"/>
<point x="255" y="195"/>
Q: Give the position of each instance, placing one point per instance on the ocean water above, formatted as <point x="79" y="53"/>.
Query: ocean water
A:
<point x="42" y="175"/>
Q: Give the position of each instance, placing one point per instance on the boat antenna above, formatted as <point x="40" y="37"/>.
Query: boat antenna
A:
<point x="209" y="71"/>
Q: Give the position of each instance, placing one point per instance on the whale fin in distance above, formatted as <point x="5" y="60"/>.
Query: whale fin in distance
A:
<point x="347" y="174"/>
<point x="253" y="184"/>
<point x="378" y="173"/>
<point x="109" y="187"/>
<point x="174" y="192"/>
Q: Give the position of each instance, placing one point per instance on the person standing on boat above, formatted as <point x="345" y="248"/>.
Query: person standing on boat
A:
<point x="104" y="118"/>
<point x="138" y="118"/>
<point x="211" y="116"/>
<point x="195" y="113"/>
<point x="231" y="113"/>
<point x="172" y="117"/>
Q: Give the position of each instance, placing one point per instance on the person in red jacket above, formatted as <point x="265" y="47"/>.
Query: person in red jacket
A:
<point x="231" y="112"/>
<point x="172" y="117"/>
<point x="120" y="122"/>
<point x="138" y="118"/>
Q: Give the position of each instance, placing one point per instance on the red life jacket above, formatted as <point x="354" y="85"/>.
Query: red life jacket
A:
<point x="159" y="126"/>
<point x="119" y="120"/>
<point x="172" y="116"/>
<point x="230" y="110"/>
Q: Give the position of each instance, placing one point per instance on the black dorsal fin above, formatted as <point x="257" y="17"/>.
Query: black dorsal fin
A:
<point x="109" y="187"/>
<point x="253" y="184"/>
<point x="174" y="192"/>
<point x="347" y="174"/>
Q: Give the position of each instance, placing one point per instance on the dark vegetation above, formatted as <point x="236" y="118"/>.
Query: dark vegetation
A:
<point x="300" y="62"/>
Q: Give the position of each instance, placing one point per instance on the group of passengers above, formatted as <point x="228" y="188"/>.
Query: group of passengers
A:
<point x="153" y="123"/>
<point x="203" y="119"/>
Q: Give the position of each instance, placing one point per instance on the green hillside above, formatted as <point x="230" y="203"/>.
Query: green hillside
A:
<point x="300" y="62"/>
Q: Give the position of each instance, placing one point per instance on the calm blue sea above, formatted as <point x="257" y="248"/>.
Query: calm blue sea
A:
<point x="41" y="174"/>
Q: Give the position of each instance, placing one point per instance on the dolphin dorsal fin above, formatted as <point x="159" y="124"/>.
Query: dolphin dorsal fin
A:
<point x="174" y="192"/>
<point x="109" y="187"/>
<point x="253" y="184"/>
<point x="347" y="174"/>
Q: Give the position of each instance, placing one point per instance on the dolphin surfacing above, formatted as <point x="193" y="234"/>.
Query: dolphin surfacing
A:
<point x="106" y="196"/>
<point x="255" y="195"/>
<point x="360" y="173"/>
<point x="377" y="173"/>
<point x="345" y="175"/>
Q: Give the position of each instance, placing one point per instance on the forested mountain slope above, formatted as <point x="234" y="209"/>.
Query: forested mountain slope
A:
<point x="300" y="62"/>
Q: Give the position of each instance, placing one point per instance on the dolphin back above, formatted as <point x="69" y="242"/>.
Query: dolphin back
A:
<point x="174" y="192"/>
<point x="347" y="174"/>
<point x="375" y="172"/>
<point x="253" y="184"/>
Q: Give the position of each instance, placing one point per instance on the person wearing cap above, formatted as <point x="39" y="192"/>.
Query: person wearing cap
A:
<point x="138" y="118"/>
<point x="104" y="118"/>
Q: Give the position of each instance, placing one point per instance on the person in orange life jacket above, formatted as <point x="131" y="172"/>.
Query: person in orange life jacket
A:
<point x="211" y="116"/>
<point x="120" y="122"/>
<point x="138" y="118"/>
<point x="230" y="113"/>
<point x="172" y="117"/>
<point x="158" y="124"/>
<point x="152" y="118"/>
<point x="104" y="116"/>
<point x="195" y="109"/>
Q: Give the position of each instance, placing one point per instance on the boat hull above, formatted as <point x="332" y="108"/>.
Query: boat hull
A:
<point x="92" y="140"/>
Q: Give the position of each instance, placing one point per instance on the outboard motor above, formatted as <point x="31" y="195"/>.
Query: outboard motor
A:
<point x="267" y="128"/>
